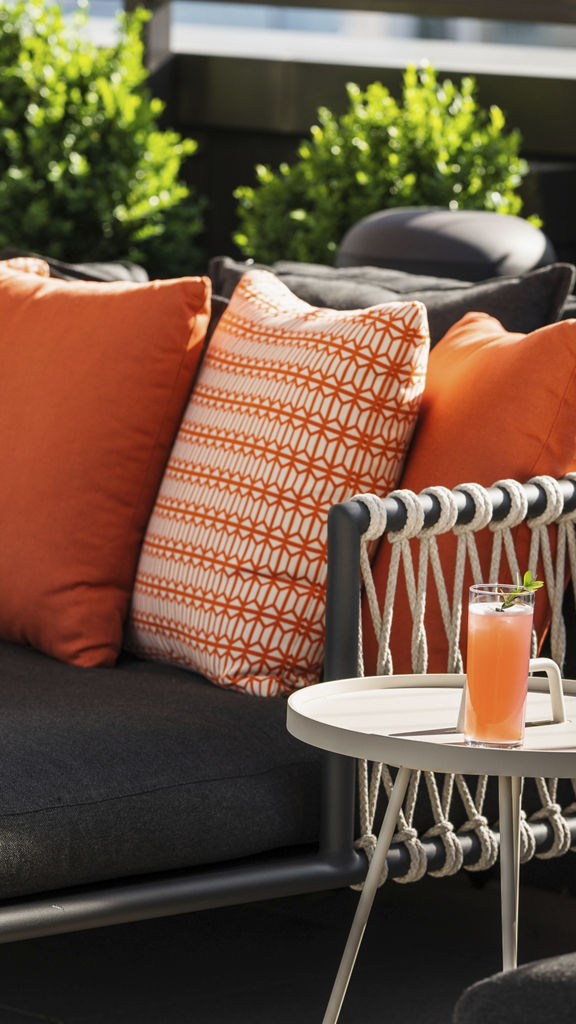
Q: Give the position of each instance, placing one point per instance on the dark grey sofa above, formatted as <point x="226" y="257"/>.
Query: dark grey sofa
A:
<point x="143" y="790"/>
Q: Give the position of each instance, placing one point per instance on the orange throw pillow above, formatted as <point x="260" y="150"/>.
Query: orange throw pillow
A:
<point x="93" y="381"/>
<point x="295" y="408"/>
<point x="496" y="406"/>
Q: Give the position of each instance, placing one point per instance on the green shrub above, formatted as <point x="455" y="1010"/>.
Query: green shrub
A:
<point x="435" y="148"/>
<point x="85" y="172"/>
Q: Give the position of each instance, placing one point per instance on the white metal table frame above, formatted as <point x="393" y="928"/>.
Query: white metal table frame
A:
<point x="412" y="722"/>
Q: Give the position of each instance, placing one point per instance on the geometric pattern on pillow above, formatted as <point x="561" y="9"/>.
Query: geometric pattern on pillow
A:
<point x="27" y="265"/>
<point x="295" y="408"/>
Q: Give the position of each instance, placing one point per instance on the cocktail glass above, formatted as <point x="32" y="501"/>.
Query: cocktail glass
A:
<point x="497" y="665"/>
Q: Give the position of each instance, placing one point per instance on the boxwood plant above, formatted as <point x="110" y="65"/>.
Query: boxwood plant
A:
<point x="85" y="171"/>
<point x="435" y="147"/>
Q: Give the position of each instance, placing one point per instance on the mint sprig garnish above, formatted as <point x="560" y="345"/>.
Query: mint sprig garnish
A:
<point x="528" y="584"/>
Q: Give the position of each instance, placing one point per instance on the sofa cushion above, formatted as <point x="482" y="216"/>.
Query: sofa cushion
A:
<point x="112" y="772"/>
<point x="569" y="308"/>
<point x="119" y="270"/>
<point x="521" y="303"/>
<point x="536" y="993"/>
<point x="294" y="409"/>
<point x="93" y="381"/>
<point x="468" y="244"/>
<point x="496" y="405"/>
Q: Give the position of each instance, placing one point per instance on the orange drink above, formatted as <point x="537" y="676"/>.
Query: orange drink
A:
<point x="497" y="666"/>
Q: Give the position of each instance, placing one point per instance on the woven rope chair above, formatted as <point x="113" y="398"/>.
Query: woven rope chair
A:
<point x="454" y="830"/>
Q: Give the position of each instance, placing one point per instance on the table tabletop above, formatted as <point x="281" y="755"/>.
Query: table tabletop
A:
<point x="410" y="721"/>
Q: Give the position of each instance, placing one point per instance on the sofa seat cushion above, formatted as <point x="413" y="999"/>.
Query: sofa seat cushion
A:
<point x="535" y="993"/>
<point x="141" y="768"/>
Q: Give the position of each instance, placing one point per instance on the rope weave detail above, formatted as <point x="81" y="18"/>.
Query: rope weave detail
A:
<point x="414" y="551"/>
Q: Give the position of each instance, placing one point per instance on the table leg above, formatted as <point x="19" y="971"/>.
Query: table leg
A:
<point x="517" y="787"/>
<point x="509" y="792"/>
<point x="367" y="897"/>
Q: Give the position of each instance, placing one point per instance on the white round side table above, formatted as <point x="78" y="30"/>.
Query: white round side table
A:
<point x="412" y="722"/>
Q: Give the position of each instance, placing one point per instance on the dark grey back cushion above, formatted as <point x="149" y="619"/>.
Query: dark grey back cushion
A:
<point x="569" y="309"/>
<point x="120" y="270"/>
<point x="471" y="245"/>
<point x="521" y="303"/>
<point x="140" y="768"/>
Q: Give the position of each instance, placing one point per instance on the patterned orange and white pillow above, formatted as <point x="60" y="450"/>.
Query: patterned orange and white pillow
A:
<point x="295" y="408"/>
<point x="27" y="265"/>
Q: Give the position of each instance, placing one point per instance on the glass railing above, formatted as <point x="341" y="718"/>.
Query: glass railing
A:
<point x="460" y="35"/>
<point x="247" y="79"/>
<point x="363" y="38"/>
<point x="365" y="33"/>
